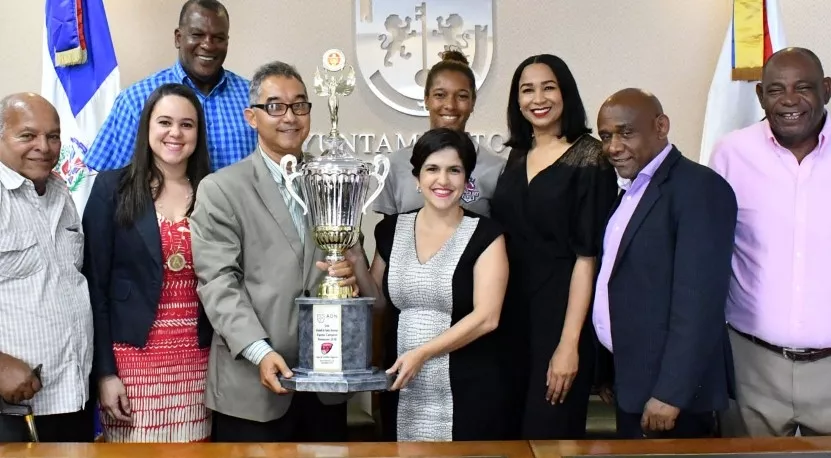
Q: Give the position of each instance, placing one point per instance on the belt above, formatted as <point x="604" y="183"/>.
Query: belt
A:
<point x="793" y="354"/>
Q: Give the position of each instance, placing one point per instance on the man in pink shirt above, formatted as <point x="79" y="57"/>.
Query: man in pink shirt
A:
<point x="779" y="304"/>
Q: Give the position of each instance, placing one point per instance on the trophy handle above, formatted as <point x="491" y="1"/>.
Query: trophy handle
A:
<point x="290" y="161"/>
<point x="382" y="163"/>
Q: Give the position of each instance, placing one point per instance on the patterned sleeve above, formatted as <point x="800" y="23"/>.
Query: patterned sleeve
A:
<point x="384" y="233"/>
<point x="113" y="146"/>
<point x="596" y="193"/>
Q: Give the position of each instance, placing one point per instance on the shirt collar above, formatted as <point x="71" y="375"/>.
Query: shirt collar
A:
<point x="824" y="134"/>
<point x="9" y="178"/>
<point x="12" y="180"/>
<point x="647" y="172"/>
<point x="272" y="166"/>
<point x="183" y="77"/>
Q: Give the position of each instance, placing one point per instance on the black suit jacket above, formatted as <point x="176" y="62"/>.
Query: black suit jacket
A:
<point x="123" y="267"/>
<point x="667" y="292"/>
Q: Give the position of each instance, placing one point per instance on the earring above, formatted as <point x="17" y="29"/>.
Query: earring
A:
<point x="418" y="189"/>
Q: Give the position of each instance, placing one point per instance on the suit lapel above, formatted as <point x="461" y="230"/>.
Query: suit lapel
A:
<point x="270" y="195"/>
<point x="148" y="228"/>
<point x="650" y="196"/>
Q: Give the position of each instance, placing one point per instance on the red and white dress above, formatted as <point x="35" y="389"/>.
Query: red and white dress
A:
<point x="165" y="381"/>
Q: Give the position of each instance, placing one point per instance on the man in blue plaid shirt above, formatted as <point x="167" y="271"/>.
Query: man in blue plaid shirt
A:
<point x="202" y="40"/>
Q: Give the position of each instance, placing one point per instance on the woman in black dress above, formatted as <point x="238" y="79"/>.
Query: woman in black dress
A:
<point x="552" y="200"/>
<point x="441" y="273"/>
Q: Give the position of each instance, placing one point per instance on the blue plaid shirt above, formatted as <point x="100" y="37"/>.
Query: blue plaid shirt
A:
<point x="230" y="138"/>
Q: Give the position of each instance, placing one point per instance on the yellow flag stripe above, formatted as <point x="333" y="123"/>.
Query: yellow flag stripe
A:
<point x="748" y="39"/>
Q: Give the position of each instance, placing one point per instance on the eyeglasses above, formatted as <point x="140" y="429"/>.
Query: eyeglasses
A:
<point x="279" y="109"/>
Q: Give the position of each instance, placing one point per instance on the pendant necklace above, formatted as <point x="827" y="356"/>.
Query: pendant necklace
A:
<point x="176" y="260"/>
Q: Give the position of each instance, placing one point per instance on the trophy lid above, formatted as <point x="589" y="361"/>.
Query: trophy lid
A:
<point x="331" y="83"/>
<point x="336" y="157"/>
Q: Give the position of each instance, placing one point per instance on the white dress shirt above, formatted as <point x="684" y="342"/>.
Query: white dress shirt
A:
<point x="45" y="312"/>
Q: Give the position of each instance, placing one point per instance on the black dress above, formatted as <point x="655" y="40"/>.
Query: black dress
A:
<point x="456" y="396"/>
<point x="548" y="222"/>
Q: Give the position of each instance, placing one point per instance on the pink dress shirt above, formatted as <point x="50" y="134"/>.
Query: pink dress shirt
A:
<point x="611" y="243"/>
<point x="780" y="291"/>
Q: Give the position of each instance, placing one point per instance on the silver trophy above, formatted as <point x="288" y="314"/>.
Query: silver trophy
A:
<point x="335" y="329"/>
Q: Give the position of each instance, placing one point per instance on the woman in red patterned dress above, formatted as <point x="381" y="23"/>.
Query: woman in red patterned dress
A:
<point x="151" y="334"/>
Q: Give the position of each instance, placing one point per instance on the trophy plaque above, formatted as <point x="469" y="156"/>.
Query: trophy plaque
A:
<point x="335" y="329"/>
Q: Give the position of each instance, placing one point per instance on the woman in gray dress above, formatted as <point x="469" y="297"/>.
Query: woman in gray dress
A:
<point x="440" y="272"/>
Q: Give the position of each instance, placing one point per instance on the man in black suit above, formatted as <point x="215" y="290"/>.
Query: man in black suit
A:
<point x="662" y="285"/>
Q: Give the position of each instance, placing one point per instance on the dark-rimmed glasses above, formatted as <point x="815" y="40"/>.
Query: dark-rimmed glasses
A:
<point x="279" y="109"/>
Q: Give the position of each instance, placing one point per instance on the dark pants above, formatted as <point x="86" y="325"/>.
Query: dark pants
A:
<point x="67" y="427"/>
<point x="688" y="425"/>
<point x="306" y="420"/>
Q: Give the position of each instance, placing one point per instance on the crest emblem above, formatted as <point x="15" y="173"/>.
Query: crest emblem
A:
<point x="70" y="165"/>
<point x="398" y="41"/>
<point x="471" y="192"/>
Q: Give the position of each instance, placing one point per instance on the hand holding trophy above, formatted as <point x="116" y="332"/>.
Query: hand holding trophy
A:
<point x="335" y="329"/>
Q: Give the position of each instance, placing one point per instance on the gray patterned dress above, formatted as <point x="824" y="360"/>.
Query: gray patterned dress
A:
<point x="427" y="299"/>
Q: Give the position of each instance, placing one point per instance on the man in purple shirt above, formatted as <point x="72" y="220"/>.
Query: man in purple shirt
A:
<point x="659" y="300"/>
<point x="779" y="305"/>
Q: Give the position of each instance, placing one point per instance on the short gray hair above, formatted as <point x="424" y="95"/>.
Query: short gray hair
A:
<point x="268" y="70"/>
<point x="6" y="104"/>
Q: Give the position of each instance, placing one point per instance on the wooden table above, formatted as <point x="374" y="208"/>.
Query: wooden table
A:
<point x="559" y="449"/>
<point x="519" y="449"/>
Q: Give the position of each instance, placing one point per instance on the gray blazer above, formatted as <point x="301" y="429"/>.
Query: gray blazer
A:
<point x="251" y="266"/>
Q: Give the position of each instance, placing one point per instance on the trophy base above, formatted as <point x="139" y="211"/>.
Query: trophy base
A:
<point x="373" y="380"/>
<point x="335" y="347"/>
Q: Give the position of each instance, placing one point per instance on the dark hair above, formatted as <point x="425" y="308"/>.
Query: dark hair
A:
<point x="135" y="187"/>
<point x="451" y="61"/>
<point x="573" y="122"/>
<point x="438" y="139"/>
<point x="210" y="5"/>
<point x="275" y="68"/>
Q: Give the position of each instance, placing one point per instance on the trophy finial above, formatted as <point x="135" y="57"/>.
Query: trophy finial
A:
<point x="335" y="79"/>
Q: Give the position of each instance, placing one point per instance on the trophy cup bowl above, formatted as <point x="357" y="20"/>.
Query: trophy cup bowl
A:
<point x="334" y="188"/>
<point x="334" y="328"/>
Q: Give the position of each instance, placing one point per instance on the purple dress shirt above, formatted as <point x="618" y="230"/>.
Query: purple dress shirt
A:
<point x="611" y="243"/>
<point x="780" y="290"/>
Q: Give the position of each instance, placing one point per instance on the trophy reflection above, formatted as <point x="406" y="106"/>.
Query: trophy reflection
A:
<point x="335" y="329"/>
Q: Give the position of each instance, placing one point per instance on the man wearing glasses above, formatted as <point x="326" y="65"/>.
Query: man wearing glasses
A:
<point x="253" y="257"/>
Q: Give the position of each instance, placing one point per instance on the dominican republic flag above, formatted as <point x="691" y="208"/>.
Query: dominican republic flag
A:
<point x="755" y="32"/>
<point x="80" y="77"/>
